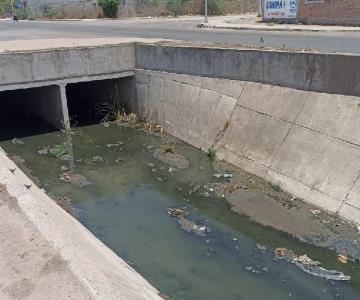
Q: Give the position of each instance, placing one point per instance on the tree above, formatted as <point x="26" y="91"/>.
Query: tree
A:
<point x="5" y="5"/>
<point x="109" y="7"/>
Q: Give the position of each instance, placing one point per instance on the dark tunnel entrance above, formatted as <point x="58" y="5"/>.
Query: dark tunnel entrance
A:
<point x="18" y="119"/>
<point x="89" y="101"/>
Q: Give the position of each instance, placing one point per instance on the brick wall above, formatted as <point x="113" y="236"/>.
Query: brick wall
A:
<point x="346" y="12"/>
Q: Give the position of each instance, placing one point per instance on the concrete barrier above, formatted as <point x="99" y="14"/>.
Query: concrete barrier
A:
<point x="326" y="73"/>
<point x="307" y="142"/>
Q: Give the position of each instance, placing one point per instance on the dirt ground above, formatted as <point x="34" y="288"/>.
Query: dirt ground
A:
<point x="30" y="268"/>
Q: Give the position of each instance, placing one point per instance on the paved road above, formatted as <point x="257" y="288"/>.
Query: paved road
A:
<point x="183" y="29"/>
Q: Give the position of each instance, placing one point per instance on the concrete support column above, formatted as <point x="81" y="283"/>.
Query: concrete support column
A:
<point x="64" y="107"/>
<point x="50" y="104"/>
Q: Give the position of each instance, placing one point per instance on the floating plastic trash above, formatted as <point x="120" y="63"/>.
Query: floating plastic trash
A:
<point x="191" y="227"/>
<point x="309" y="266"/>
<point x="321" y="272"/>
<point x="176" y="212"/>
<point x="342" y="258"/>
<point x="228" y="175"/>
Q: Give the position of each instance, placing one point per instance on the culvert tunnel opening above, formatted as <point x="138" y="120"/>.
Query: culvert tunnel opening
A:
<point x="19" y="116"/>
<point x="92" y="102"/>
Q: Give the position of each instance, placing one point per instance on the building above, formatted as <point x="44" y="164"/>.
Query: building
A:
<point x="344" y="12"/>
<point x="334" y="12"/>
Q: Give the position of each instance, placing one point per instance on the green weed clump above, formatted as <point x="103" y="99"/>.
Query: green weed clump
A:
<point x="58" y="150"/>
<point x="109" y="7"/>
<point x="108" y="111"/>
<point x="275" y="187"/>
<point x="211" y="153"/>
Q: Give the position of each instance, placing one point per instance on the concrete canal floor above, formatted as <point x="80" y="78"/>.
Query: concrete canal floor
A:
<point x="128" y="211"/>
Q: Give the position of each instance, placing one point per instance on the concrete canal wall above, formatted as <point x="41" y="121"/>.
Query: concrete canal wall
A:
<point x="307" y="142"/>
<point x="292" y="118"/>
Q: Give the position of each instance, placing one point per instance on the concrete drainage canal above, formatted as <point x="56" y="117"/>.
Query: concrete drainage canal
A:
<point x="194" y="226"/>
<point x="163" y="206"/>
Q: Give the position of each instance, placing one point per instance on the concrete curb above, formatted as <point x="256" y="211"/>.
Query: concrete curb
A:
<point x="243" y="28"/>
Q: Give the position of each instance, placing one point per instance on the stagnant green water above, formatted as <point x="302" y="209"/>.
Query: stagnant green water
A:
<point x="126" y="207"/>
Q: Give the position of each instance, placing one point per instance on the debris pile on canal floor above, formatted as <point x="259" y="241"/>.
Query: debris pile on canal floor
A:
<point x="186" y="224"/>
<point x="172" y="158"/>
<point x="76" y="179"/>
<point x="309" y="266"/>
<point x="176" y="212"/>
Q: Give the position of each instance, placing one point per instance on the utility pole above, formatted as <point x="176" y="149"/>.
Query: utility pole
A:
<point x="206" y="12"/>
<point x="260" y="10"/>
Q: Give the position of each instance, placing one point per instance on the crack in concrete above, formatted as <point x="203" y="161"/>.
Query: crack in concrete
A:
<point x="346" y="198"/>
<point x="299" y="125"/>
<point x="276" y="171"/>
<point x="220" y="136"/>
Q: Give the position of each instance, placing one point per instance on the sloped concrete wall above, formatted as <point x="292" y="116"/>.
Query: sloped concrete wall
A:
<point x="307" y="142"/>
